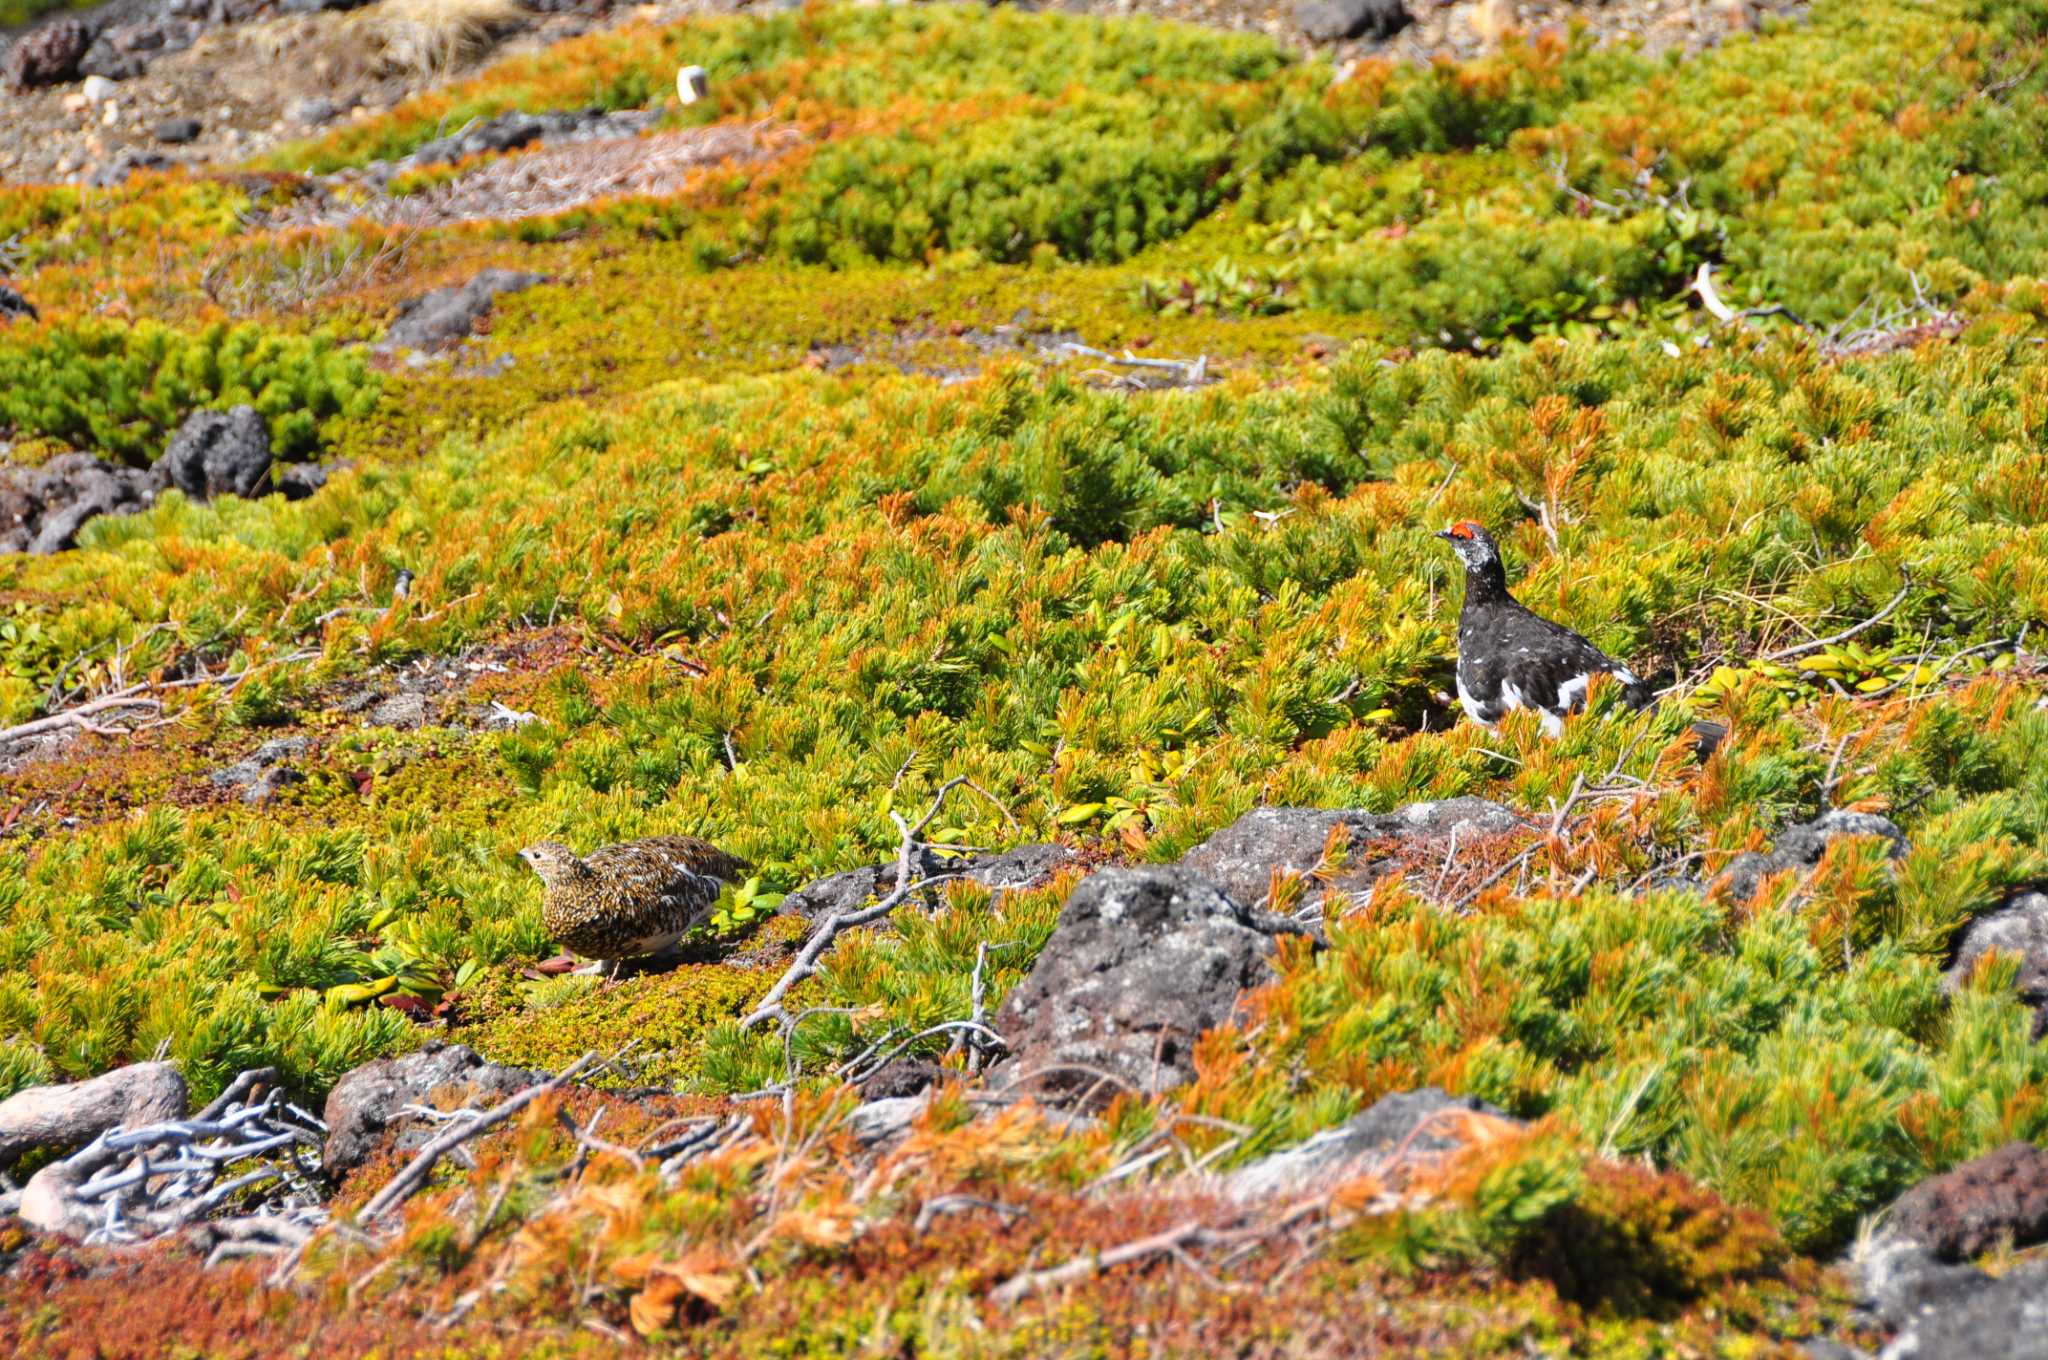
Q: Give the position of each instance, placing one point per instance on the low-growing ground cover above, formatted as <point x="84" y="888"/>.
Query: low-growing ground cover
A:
<point x="778" y="504"/>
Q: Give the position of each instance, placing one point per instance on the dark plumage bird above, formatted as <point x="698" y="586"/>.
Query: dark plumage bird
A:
<point x="638" y="897"/>
<point x="1510" y="658"/>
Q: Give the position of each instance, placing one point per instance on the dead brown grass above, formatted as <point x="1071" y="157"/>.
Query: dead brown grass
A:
<point x="432" y="37"/>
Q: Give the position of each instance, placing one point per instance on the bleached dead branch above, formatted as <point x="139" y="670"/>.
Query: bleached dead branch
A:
<point x="909" y="844"/>
<point x="138" y="704"/>
<point x="132" y="1185"/>
<point x="1184" y="372"/>
<point x="422" y="1165"/>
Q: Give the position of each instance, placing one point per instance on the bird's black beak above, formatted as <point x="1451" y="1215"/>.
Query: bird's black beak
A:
<point x="1444" y="534"/>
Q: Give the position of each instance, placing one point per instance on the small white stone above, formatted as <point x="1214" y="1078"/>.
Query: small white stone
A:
<point x="76" y="103"/>
<point x="111" y="114"/>
<point x="97" y="89"/>
<point x="692" y="84"/>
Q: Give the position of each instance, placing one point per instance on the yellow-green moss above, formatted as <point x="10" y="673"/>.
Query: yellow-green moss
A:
<point x="663" y="1016"/>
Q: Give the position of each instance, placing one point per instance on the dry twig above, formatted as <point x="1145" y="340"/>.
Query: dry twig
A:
<point x="416" y="1171"/>
<point x="910" y="842"/>
<point x="1816" y="644"/>
<point x="1172" y="1241"/>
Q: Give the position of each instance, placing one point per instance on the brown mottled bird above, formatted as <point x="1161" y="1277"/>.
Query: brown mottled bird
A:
<point x="638" y="897"/>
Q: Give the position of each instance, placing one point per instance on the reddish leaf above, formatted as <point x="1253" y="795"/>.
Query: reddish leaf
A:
<point x="411" y="1007"/>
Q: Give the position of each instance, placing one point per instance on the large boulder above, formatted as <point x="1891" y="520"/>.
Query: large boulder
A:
<point x="42" y="508"/>
<point x="2000" y="1197"/>
<point x="2002" y="1318"/>
<point x="1900" y="1283"/>
<point x="371" y="1099"/>
<point x="74" y="1114"/>
<point x="1410" y="1122"/>
<point x="1912" y="1275"/>
<point x="2019" y="927"/>
<point x="46" y="56"/>
<point x="1242" y="857"/>
<point x="1027" y="866"/>
<point x="219" y="453"/>
<point x="1336" y="20"/>
<point x="1802" y="846"/>
<point x="447" y="315"/>
<point x="1141" y="962"/>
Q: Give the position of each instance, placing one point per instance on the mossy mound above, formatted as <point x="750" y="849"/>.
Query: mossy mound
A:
<point x="658" y="1021"/>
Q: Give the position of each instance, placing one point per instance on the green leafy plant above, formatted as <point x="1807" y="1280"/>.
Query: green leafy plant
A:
<point x="122" y="391"/>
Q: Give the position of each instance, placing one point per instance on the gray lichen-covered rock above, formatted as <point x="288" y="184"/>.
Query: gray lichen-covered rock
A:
<point x="1899" y="1282"/>
<point x="1801" y="847"/>
<point x="1827" y="1348"/>
<point x="43" y="508"/>
<point x="219" y="453"/>
<point x="1242" y="857"/>
<point x="883" y="1120"/>
<point x="1335" y="20"/>
<point x="123" y="47"/>
<point x="1410" y="1120"/>
<point x="2002" y="1318"/>
<point x="370" y="1099"/>
<point x="1141" y="962"/>
<point x="448" y="314"/>
<point x="296" y="481"/>
<point x="261" y="773"/>
<point x="2018" y="927"/>
<point x="1027" y="866"/>
<point x="402" y="712"/>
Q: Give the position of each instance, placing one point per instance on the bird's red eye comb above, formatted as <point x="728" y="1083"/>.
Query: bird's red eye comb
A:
<point x="1464" y="528"/>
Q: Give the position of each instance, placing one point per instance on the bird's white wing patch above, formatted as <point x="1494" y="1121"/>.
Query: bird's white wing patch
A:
<point x="1572" y="692"/>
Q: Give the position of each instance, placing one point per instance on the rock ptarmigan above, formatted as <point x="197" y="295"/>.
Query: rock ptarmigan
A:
<point x="1510" y="658"/>
<point x="637" y="897"/>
